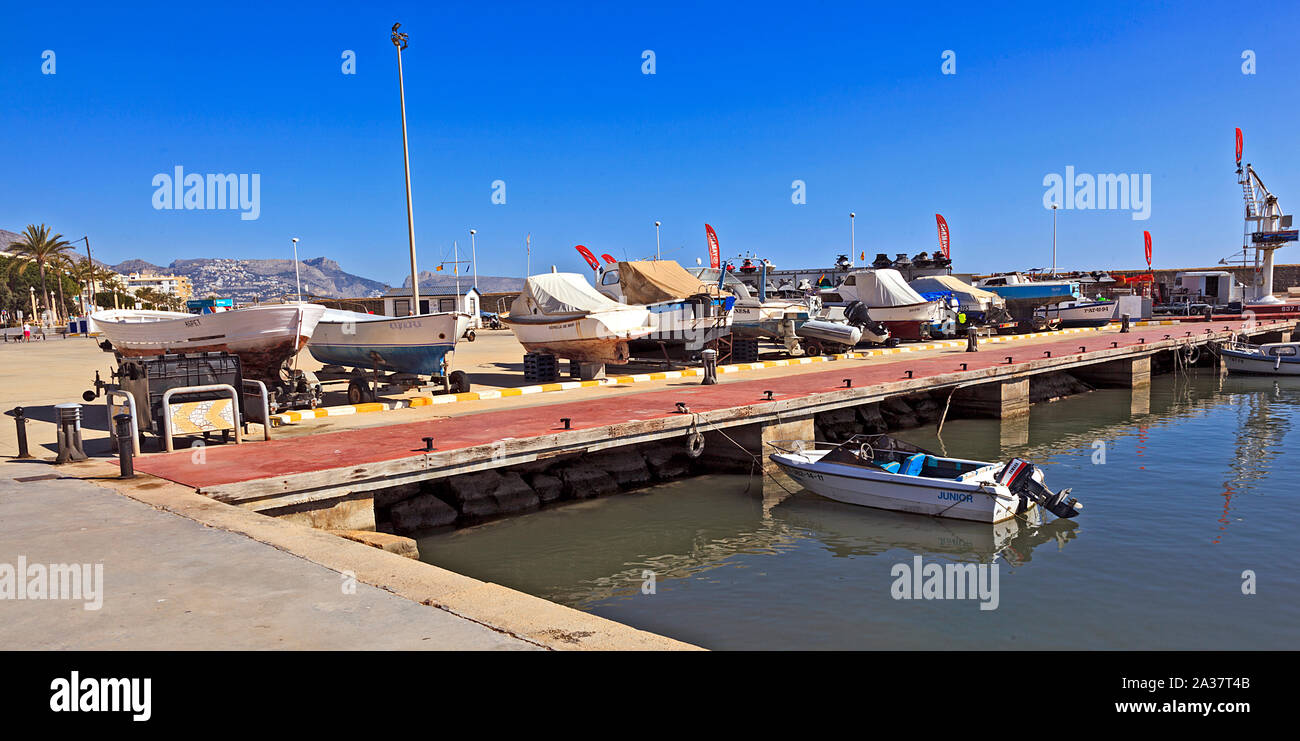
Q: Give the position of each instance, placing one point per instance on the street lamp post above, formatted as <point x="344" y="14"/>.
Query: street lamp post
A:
<point x="1053" y="240"/>
<point x="473" y="256"/>
<point x="296" y="280"/>
<point x="656" y="240"/>
<point x="31" y="290"/>
<point x="400" y="41"/>
<point x="853" y="235"/>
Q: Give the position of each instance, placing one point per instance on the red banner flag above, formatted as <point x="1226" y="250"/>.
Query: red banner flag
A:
<point x="609" y="259"/>
<point x="1239" y="142"/>
<point x="1146" y="237"/>
<point x="586" y="255"/>
<point x="943" y="235"/>
<point x="715" y="252"/>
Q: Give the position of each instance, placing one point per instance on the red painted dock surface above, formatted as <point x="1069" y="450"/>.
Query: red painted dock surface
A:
<point x="225" y="464"/>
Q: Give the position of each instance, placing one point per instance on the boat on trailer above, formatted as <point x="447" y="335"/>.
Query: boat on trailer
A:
<point x="264" y="337"/>
<point x="887" y="473"/>
<point x="406" y="349"/>
<point x="1272" y="359"/>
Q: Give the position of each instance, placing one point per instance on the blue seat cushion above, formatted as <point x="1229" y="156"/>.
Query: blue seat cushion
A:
<point x="912" y="466"/>
<point x="891" y="466"/>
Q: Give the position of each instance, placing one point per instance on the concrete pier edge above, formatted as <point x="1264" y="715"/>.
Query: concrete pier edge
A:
<point x="532" y="619"/>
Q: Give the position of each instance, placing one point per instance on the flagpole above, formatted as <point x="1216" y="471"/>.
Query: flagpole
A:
<point x="399" y="40"/>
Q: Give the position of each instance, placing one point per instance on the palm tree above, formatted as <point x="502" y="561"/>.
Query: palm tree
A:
<point x="36" y="245"/>
<point x="110" y="281"/>
<point x="85" y="272"/>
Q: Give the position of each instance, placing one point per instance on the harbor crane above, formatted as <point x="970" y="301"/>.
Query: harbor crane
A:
<point x="1266" y="227"/>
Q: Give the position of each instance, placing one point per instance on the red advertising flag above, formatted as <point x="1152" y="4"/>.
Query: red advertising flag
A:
<point x="715" y="252"/>
<point x="609" y="259"/>
<point x="1146" y="237"/>
<point x="1239" y="142"/>
<point x="586" y="255"/>
<point x="943" y="235"/>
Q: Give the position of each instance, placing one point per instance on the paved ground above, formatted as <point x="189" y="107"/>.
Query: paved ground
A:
<point x="172" y="583"/>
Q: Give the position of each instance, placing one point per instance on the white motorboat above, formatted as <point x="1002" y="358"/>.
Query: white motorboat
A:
<point x="977" y="304"/>
<point x="1080" y="313"/>
<point x="262" y="336"/>
<point x="561" y="314"/>
<point x="1271" y="359"/>
<point x="889" y="299"/>
<point x="886" y="473"/>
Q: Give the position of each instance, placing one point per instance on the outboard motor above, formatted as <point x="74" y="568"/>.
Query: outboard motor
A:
<point x="1018" y="477"/>
<point x="856" y="314"/>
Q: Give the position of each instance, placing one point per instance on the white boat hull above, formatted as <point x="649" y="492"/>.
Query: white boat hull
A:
<point x="593" y="338"/>
<point x="262" y="336"/>
<point x="1256" y="364"/>
<point x="1093" y="314"/>
<point x="985" y="502"/>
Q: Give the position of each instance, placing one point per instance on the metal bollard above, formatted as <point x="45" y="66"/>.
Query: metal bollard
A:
<point x="972" y="340"/>
<point x="1124" y="324"/>
<point x="69" y="434"/>
<point x="710" y="358"/>
<point x="20" y="419"/>
<point x="122" y="430"/>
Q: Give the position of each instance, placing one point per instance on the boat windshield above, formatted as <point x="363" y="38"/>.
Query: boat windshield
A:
<point x="892" y="455"/>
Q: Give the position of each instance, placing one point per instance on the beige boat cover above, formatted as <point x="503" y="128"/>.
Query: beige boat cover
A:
<point x="652" y="281"/>
<point x="560" y="294"/>
<point x="958" y="286"/>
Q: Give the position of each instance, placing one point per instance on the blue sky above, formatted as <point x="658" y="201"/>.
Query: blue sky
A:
<point x="550" y="98"/>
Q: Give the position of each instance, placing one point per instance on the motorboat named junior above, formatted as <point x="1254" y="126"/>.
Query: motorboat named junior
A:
<point x="886" y="473"/>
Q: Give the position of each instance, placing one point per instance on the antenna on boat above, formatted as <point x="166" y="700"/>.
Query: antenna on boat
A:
<point x="297" y="281"/>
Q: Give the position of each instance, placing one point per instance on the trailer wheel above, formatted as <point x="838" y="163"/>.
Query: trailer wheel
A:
<point x="459" y="382"/>
<point x="812" y="347"/>
<point x="359" y="392"/>
<point x="469" y="335"/>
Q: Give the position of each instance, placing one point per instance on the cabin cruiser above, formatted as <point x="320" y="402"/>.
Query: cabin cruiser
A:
<point x="1025" y="296"/>
<point x="902" y="310"/>
<point x="1271" y="359"/>
<point x="561" y="314"/>
<point x="886" y="473"/>
<point x="686" y="314"/>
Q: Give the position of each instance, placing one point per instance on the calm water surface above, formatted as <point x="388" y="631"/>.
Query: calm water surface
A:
<point x="1197" y="486"/>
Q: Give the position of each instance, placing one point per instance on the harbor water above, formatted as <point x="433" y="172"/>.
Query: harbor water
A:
<point x="1190" y="504"/>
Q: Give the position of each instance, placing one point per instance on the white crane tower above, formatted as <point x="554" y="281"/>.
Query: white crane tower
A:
<point x="1266" y="228"/>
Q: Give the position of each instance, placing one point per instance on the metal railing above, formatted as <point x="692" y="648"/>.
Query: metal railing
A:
<point x="109" y="393"/>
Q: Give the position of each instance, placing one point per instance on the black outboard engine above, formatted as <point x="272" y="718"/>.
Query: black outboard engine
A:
<point x="882" y="261"/>
<point x="1018" y="477"/>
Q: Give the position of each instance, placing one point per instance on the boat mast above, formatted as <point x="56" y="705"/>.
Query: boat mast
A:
<point x="399" y="40"/>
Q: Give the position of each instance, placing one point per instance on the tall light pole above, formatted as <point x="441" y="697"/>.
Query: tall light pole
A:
<point x="656" y="240"/>
<point x="31" y="290"/>
<point x="473" y="256"/>
<point x="853" y="236"/>
<point x="399" y="40"/>
<point x="1053" y="240"/>
<point x="296" y="280"/>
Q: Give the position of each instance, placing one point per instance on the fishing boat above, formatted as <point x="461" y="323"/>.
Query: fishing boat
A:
<point x="418" y="345"/>
<point x="1271" y="359"/>
<point x="886" y="473"/>
<point x="263" y="337"/>
<point x="762" y="313"/>
<point x="561" y="314"/>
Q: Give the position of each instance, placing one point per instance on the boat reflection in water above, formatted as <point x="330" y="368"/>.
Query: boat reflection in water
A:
<point x="846" y="530"/>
